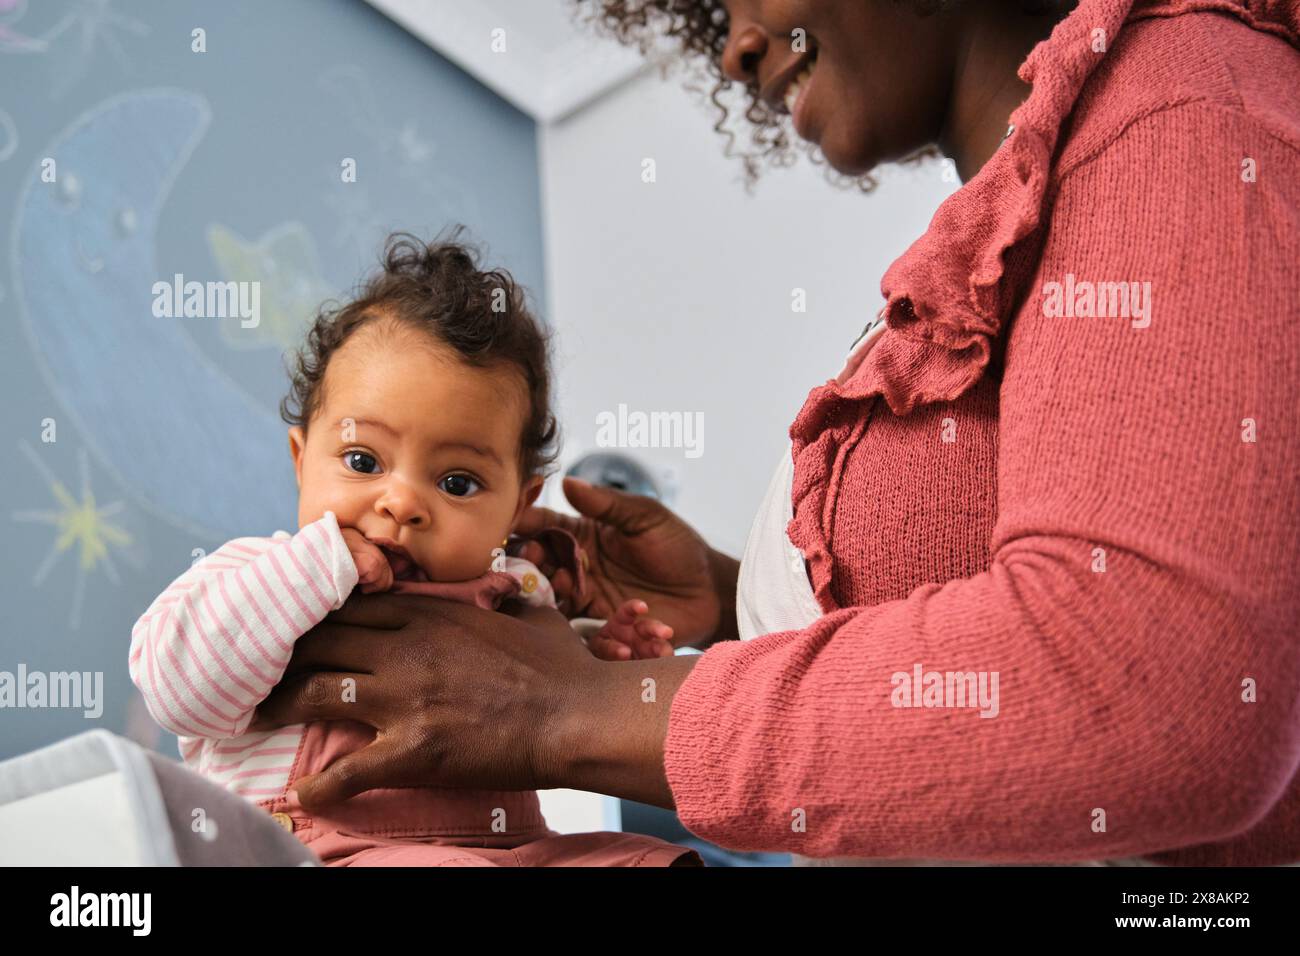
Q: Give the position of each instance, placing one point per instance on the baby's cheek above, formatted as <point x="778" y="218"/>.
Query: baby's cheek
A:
<point x="317" y="496"/>
<point x="310" y="509"/>
<point x="465" y="552"/>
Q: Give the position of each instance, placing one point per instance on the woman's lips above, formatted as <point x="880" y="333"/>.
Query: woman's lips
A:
<point x="796" y="98"/>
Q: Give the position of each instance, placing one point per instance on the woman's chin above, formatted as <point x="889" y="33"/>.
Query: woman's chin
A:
<point x="850" y="165"/>
<point x="848" y="159"/>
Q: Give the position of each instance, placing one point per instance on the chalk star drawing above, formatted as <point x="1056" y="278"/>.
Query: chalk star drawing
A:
<point x="284" y="261"/>
<point x="80" y="523"/>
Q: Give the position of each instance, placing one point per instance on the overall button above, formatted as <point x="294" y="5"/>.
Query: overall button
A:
<point x="284" y="820"/>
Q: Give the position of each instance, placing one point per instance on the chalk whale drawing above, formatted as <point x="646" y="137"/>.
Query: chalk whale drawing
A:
<point x="186" y="442"/>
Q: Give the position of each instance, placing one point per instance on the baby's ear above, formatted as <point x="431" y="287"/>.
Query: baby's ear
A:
<point x="535" y="488"/>
<point x="297" y="445"/>
<point x="528" y="494"/>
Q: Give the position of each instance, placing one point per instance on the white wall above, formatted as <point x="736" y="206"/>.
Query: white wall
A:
<point x="676" y="295"/>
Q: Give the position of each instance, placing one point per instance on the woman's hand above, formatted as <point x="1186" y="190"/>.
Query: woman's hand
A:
<point x="636" y="549"/>
<point x="458" y="695"/>
<point x="463" y="697"/>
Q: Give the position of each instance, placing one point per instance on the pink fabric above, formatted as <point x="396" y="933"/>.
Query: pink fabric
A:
<point x="493" y="587"/>
<point x="427" y="826"/>
<point x="487" y="591"/>
<point x="1068" y="502"/>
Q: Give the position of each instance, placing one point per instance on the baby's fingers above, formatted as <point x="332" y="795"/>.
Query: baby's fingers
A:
<point x="654" y="638"/>
<point x="651" y="627"/>
<point x="374" y="573"/>
<point x="629" y="612"/>
<point x="608" y="648"/>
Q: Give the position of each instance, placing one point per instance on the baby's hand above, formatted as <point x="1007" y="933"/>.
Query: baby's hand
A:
<point x="373" y="570"/>
<point x="630" y="635"/>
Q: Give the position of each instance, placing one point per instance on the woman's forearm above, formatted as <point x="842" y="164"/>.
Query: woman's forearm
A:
<point x="610" y="734"/>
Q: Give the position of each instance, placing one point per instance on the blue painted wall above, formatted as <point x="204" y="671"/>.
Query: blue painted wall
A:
<point x="222" y="165"/>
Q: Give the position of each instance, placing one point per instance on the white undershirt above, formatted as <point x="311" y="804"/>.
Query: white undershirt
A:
<point x="773" y="592"/>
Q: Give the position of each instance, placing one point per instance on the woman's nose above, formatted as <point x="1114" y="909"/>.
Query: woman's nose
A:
<point x="745" y="47"/>
<point x="402" y="504"/>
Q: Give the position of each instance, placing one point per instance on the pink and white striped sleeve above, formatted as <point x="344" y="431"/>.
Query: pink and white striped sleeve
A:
<point x="212" y="646"/>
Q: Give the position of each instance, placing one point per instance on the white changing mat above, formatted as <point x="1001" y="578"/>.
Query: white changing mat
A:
<point x="98" y="799"/>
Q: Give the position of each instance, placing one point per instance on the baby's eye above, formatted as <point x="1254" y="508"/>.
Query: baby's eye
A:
<point x="360" y="462"/>
<point x="458" y="485"/>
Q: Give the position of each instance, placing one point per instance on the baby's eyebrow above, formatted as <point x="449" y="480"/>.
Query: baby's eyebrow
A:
<point x="373" y="423"/>
<point x="479" y="450"/>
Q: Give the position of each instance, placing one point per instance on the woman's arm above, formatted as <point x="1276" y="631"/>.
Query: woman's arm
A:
<point x="611" y="739"/>
<point x="215" y="642"/>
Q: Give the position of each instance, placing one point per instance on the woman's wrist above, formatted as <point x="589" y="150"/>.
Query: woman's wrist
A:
<point x="608" y="737"/>
<point x="726" y="573"/>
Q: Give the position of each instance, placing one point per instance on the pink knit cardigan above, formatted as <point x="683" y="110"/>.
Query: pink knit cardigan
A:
<point x="1099" y="505"/>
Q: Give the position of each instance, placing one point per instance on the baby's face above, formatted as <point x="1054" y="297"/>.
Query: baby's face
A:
<point x="417" y="451"/>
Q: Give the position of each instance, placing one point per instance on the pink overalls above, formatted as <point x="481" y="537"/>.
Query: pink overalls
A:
<point x="426" y="826"/>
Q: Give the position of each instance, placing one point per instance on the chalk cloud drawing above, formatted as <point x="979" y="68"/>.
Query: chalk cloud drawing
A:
<point x="181" y="437"/>
<point x="284" y="261"/>
<point x="78" y="523"/>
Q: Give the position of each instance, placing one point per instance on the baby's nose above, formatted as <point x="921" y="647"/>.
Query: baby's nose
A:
<point x="404" y="507"/>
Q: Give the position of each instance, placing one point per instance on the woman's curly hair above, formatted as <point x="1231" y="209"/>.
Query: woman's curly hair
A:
<point x="699" y="28"/>
<point x="438" y="288"/>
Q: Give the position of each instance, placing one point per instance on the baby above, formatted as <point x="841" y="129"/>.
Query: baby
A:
<point x="421" y="431"/>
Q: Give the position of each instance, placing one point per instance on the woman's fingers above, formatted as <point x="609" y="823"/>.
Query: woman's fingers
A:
<point x="534" y="552"/>
<point x="370" y="767"/>
<point x="388" y="612"/>
<point x="561" y="583"/>
<point x="335" y="646"/>
<point x="319" y="695"/>
<point x="536" y="518"/>
<point x="626" y="512"/>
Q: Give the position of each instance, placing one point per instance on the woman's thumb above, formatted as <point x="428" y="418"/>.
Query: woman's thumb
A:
<point x="372" y="766"/>
<point x="605" y="504"/>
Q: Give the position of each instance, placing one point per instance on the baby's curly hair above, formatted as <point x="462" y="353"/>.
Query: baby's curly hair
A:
<point x="438" y="289"/>
<point x="699" y="29"/>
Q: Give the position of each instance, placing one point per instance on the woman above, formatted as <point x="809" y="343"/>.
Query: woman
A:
<point x="1058" y="476"/>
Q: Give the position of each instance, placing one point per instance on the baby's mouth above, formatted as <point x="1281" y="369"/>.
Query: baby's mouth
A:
<point x="404" y="569"/>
